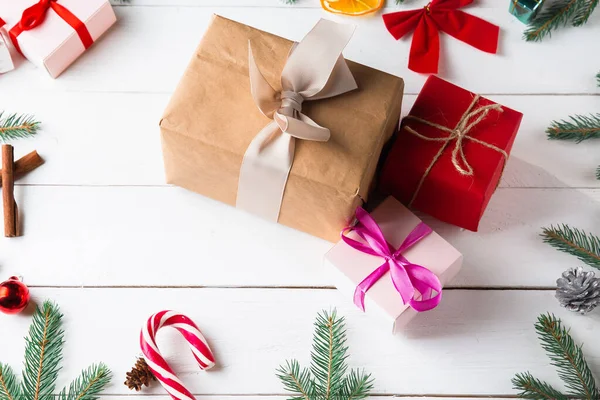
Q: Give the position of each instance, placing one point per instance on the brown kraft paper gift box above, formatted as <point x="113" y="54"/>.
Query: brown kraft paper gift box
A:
<point x="212" y="118"/>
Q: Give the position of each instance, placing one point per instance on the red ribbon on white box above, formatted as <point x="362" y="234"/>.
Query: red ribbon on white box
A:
<point x="35" y="15"/>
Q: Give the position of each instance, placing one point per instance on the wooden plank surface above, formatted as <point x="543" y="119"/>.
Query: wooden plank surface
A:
<point x="113" y="139"/>
<point x="472" y="344"/>
<point x="149" y="48"/>
<point x="165" y="236"/>
<point x="111" y="243"/>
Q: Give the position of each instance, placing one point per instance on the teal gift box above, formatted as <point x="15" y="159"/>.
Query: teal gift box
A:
<point x="525" y="10"/>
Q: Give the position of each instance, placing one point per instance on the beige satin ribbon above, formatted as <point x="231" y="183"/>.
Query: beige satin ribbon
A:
<point x="314" y="70"/>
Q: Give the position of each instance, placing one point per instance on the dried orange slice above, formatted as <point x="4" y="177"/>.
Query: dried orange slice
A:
<point x="352" y="7"/>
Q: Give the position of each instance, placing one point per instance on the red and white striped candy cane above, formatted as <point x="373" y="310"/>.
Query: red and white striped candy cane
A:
<point x="157" y="363"/>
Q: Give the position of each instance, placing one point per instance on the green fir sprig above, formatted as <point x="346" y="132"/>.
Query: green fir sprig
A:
<point x="558" y="14"/>
<point x="577" y="128"/>
<point x="16" y="126"/>
<point x="567" y="357"/>
<point x="43" y="354"/>
<point x="585" y="246"/>
<point x="326" y="379"/>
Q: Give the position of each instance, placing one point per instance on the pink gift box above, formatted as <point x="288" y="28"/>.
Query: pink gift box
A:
<point x="349" y="267"/>
<point x="54" y="45"/>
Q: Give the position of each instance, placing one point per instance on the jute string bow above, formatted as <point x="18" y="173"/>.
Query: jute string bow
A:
<point x="459" y="134"/>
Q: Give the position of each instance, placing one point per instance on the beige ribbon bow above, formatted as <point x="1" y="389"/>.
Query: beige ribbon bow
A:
<point x="314" y="70"/>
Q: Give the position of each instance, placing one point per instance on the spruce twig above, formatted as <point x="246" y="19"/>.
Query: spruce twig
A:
<point x="559" y="14"/>
<point x="577" y="128"/>
<point x="533" y="388"/>
<point x="584" y="12"/>
<point x="567" y="357"/>
<point x="9" y="385"/>
<point x="88" y="385"/>
<point x="550" y="19"/>
<point x="15" y="126"/>
<point x="584" y="246"/>
<point x="325" y="379"/>
<point x="43" y="353"/>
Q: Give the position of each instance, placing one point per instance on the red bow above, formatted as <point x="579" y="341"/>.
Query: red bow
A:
<point x="35" y="15"/>
<point x="428" y="21"/>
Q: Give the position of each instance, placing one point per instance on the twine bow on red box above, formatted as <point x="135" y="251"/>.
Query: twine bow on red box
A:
<point x="440" y="15"/>
<point x="35" y="15"/>
<point x="408" y="279"/>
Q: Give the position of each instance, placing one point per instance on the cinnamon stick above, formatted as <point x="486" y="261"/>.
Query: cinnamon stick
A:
<point x="8" y="197"/>
<point x="26" y="164"/>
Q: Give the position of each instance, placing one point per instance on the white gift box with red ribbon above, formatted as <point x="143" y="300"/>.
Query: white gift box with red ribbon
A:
<point x="52" y="34"/>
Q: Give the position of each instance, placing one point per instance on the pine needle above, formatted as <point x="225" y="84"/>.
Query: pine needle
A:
<point x="577" y="128"/>
<point x="88" y="385"/>
<point x="357" y="386"/>
<point x="567" y="357"/>
<point x="549" y="19"/>
<point x="325" y="379"/>
<point x="9" y="385"/>
<point x="43" y="353"/>
<point x="584" y="246"/>
<point x="329" y="354"/>
<point x="15" y="126"/>
<point x="584" y="12"/>
<point x="532" y="388"/>
<point x="296" y="381"/>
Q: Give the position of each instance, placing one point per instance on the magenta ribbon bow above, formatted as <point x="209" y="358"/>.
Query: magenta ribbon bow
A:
<point x="408" y="278"/>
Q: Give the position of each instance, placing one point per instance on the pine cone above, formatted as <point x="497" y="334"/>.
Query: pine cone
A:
<point x="578" y="291"/>
<point x="140" y="375"/>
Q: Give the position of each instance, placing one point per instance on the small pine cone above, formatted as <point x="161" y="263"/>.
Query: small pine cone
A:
<point x="578" y="291"/>
<point x="140" y="375"/>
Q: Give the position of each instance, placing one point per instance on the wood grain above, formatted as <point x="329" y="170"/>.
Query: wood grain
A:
<point x="149" y="48"/>
<point x="472" y="344"/>
<point x="99" y="216"/>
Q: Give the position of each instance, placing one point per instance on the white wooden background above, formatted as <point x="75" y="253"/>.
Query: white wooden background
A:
<point x="111" y="243"/>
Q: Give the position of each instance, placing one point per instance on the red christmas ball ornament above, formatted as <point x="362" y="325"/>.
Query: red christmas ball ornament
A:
<point x="14" y="296"/>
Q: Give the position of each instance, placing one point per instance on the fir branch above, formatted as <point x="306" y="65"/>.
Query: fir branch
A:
<point x="43" y="353"/>
<point x="357" y="385"/>
<point x="549" y="19"/>
<point x="577" y="128"/>
<point x="325" y="379"/>
<point x="329" y="354"/>
<point x="567" y="357"/>
<point x="598" y="78"/>
<point x="532" y="388"/>
<point x="296" y="381"/>
<point x="585" y="9"/>
<point x="584" y="246"/>
<point x="88" y="385"/>
<point x="598" y="173"/>
<point x="16" y="126"/>
<point x="10" y="389"/>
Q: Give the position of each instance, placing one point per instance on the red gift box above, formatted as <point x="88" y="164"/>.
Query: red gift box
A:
<point x="450" y="153"/>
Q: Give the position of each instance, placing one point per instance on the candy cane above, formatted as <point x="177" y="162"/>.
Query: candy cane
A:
<point x="157" y="363"/>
